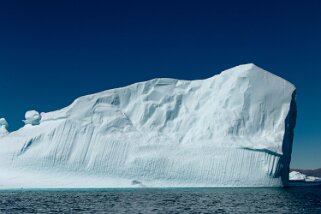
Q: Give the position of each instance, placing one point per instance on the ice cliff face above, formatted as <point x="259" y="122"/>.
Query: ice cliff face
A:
<point x="233" y="129"/>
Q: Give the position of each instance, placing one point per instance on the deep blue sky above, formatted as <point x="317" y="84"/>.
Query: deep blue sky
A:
<point x="52" y="52"/>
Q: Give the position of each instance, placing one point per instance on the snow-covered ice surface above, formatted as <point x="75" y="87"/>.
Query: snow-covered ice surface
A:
<point x="233" y="129"/>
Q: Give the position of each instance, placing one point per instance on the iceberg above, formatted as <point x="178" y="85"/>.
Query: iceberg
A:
<point x="297" y="176"/>
<point x="234" y="129"/>
<point x="298" y="179"/>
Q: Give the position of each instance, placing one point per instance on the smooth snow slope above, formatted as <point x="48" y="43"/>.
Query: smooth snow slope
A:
<point x="233" y="129"/>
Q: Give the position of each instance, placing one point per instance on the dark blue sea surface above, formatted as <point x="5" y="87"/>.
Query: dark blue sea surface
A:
<point x="193" y="200"/>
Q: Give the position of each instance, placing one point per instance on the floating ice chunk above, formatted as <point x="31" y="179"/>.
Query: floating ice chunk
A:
<point x="297" y="176"/>
<point x="312" y="179"/>
<point x="32" y="117"/>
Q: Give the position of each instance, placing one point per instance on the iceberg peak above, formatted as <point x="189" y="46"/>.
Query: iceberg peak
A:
<point x="248" y="66"/>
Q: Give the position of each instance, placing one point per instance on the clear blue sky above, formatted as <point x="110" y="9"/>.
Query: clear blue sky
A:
<point x="52" y="52"/>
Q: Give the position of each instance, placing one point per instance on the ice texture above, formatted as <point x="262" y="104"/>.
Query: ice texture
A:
<point x="234" y="129"/>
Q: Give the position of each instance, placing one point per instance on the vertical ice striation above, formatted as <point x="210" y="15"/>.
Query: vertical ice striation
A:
<point x="233" y="129"/>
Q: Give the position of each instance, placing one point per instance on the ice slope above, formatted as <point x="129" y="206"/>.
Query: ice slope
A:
<point x="233" y="129"/>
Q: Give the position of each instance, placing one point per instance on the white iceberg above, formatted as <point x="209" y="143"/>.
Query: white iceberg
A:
<point x="234" y="129"/>
<point x="297" y="176"/>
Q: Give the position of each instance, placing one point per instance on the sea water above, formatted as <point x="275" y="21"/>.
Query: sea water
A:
<point x="192" y="200"/>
